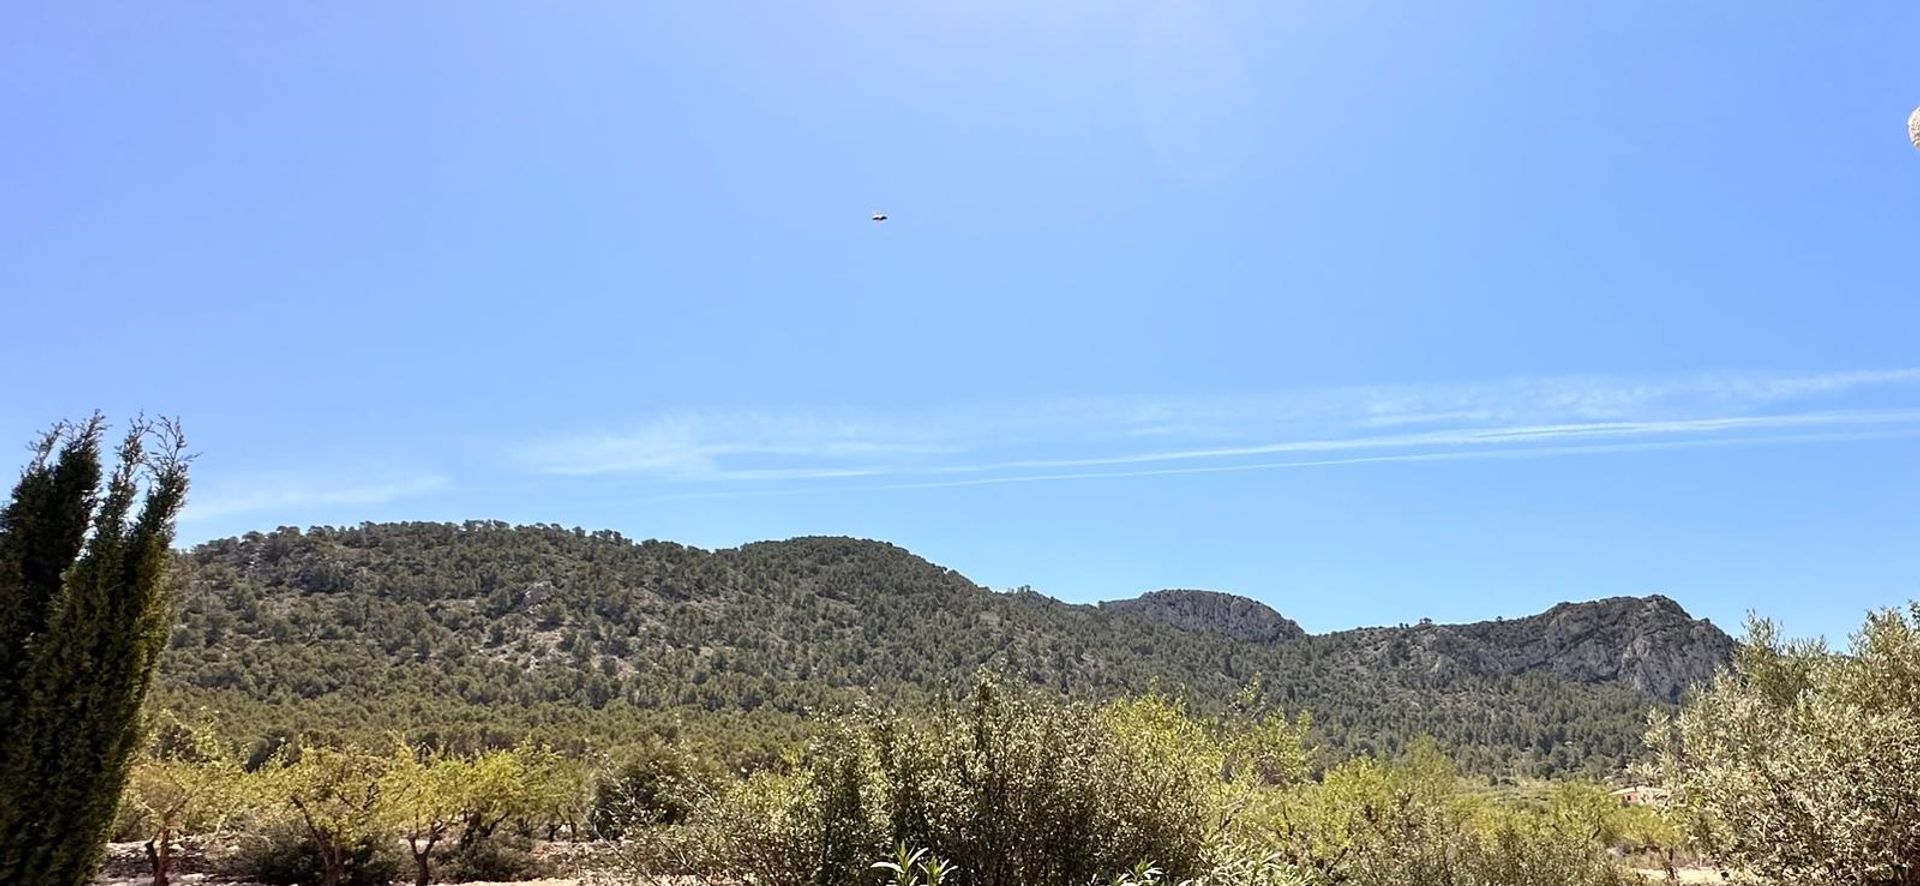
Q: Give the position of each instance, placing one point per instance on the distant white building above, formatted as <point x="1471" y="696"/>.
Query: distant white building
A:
<point x="1642" y="795"/>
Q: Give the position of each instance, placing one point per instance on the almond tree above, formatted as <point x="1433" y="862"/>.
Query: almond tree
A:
<point x="497" y="790"/>
<point x="189" y="783"/>
<point x="424" y="795"/>
<point x="559" y="790"/>
<point x="334" y="794"/>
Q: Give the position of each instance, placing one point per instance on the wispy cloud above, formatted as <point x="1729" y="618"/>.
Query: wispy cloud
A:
<point x="696" y="445"/>
<point x="1014" y="441"/>
<point x="240" y="496"/>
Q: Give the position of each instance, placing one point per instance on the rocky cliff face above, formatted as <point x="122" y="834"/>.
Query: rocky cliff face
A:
<point x="1648" y="643"/>
<point x="1211" y="611"/>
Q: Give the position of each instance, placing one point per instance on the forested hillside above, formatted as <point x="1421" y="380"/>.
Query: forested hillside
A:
<point x="498" y="630"/>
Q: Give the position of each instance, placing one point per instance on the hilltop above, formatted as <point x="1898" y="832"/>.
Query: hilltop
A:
<point x="1241" y="618"/>
<point x="493" y="619"/>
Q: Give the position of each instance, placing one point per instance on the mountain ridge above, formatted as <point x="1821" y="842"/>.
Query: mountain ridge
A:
<point x="499" y="618"/>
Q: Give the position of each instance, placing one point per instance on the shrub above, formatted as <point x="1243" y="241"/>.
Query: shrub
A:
<point x="1412" y="822"/>
<point x="1801" y="765"/>
<point x="1564" y="844"/>
<point x="1009" y="789"/>
<point x="655" y="784"/>
<point x="500" y="859"/>
<point x="286" y="857"/>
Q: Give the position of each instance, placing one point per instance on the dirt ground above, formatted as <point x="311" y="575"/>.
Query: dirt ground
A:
<point x="1690" y="875"/>
<point x="127" y="866"/>
<point x="208" y="880"/>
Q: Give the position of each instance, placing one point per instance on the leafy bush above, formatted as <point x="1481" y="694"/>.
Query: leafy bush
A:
<point x="1565" y="844"/>
<point x="1012" y="789"/>
<point x="1801" y="765"/>
<point x="758" y="830"/>
<point x="1412" y="822"/>
<point x="500" y="859"/>
<point x="286" y="857"/>
<point x="341" y="798"/>
<point x="1008" y="789"/>
<point x="656" y="784"/>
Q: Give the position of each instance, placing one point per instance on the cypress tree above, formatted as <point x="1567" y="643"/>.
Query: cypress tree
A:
<point x="84" y="616"/>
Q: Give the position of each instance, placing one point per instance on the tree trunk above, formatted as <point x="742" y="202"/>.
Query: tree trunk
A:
<point x="160" y="856"/>
<point x="422" y="859"/>
<point x="333" y="861"/>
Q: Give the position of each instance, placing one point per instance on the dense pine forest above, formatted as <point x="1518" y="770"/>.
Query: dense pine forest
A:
<point x="480" y="634"/>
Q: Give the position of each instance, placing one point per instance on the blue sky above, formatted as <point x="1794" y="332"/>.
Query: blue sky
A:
<point x="1372" y="311"/>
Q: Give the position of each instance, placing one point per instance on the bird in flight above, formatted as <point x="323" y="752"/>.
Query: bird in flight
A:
<point x="879" y="217"/>
<point x="1913" y="127"/>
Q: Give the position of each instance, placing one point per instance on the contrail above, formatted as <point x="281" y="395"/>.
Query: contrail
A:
<point x="1551" y="451"/>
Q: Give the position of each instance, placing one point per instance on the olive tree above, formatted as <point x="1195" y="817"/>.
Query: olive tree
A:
<point x="1802" y="765"/>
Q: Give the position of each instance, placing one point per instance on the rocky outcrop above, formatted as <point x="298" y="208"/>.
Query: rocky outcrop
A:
<point x="1648" y="643"/>
<point x="1212" y="611"/>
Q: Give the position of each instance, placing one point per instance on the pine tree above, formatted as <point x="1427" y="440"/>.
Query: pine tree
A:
<point x="84" y="615"/>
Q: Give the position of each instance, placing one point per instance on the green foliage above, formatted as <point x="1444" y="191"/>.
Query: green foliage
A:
<point x="286" y="856"/>
<point x="915" y="868"/>
<point x="1412" y="821"/>
<point x="450" y="810"/>
<point x="1374" y="821"/>
<point x="655" y="783"/>
<point x="1266" y="748"/>
<point x="1007" y="789"/>
<point x="1013" y="788"/>
<point x="499" y="860"/>
<point x="84" y="613"/>
<point x="340" y="798"/>
<point x="1803" y="766"/>
<point x="559" y="793"/>
<point x="1656" y="834"/>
